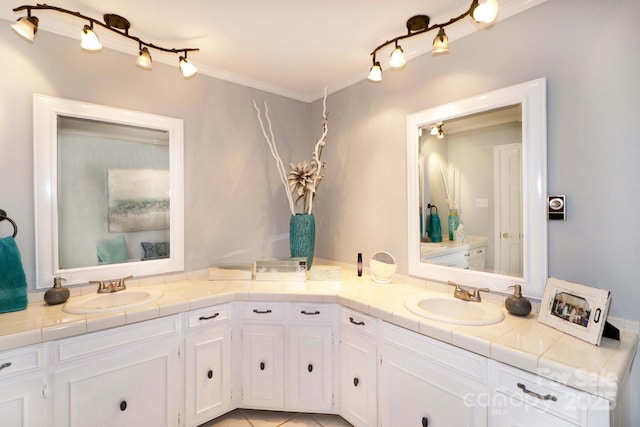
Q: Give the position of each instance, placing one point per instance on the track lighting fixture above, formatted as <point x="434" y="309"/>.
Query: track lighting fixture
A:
<point x="27" y="27"/>
<point x="483" y="12"/>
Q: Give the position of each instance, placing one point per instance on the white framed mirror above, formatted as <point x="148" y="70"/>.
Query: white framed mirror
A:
<point x="482" y="159"/>
<point x="109" y="192"/>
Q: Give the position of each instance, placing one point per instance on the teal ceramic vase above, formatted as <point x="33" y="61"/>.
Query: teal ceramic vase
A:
<point x="302" y="237"/>
<point x="454" y="222"/>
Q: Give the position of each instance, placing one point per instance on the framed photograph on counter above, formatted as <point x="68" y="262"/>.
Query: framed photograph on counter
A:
<point x="575" y="309"/>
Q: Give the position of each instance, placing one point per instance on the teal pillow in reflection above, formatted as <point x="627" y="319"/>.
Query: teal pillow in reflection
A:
<point x="112" y="251"/>
<point x="155" y="250"/>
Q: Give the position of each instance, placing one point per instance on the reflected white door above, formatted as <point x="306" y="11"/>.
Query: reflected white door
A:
<point x="508" y="210"/>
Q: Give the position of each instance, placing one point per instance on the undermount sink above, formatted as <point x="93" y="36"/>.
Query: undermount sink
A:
<point x="454" y="311"/>
<point x="111" y="302"/>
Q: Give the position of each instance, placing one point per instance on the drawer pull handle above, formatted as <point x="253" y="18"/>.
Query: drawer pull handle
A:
<point x="310" y="313"/>
<point x="310" y="367"/>
<point x="210" y="374"/>
<point x="123" y="405"/>
<point x="355" y="323"/>
<point x="534" y="394"/>
<point x="261" y="311"/>
<point x="262" y="366"/>
<point x="356" y="381"/>
<point x="5" y="365"/>
<point x="209" y="317"/>
<point x="425" y="422"/>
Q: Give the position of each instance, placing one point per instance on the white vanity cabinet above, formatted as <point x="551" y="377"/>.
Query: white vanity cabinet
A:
<point x="310" y="358"/>
<point x="424" y="382"/>
<point x="23" y="389"/>
<point x="358" y="368"/>
<point x="298" y="336"/>
<point x="208" y="387"/>
<point x="128" y="376"/>
<point x="262" y="355"/>
<point x="520" y="398"/>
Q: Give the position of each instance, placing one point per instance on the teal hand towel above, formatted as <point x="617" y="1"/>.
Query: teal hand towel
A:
<point x="13" y="283"/>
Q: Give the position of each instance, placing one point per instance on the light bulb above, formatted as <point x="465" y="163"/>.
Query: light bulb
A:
<point x="375" y="74"/>
<point x="440" y="43"/>
<point x="144" y="59"/>
<point x="89" y="39"/>
<point x="27" y="27"/>
<point x="187" y="68"/>
<point x="486" y="12"/>
<point x="397" y="58"/>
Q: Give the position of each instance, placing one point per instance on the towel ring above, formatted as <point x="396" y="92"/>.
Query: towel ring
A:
<point x="3" y="216"/>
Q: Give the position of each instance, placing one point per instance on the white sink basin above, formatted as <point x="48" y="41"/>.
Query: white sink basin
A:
<point x="111" y="302"/>
<point x="454" y="311"/>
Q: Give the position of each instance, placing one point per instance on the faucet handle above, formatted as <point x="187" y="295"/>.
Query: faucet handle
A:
<point x="100" y="283"/>
<point x="457" y="286"/>
<point x="476" y="293"/>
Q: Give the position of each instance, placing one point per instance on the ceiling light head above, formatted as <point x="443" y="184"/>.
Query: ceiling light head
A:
<point x="89" y="39"/>
<point x="27" y="26"/>
<point x="375" y="73"/>
<point x="144" y="59"/>
<point x="440" y="43"/>
<point x="397" y="58"/>
<point x="187" y="68"/>
<point x="485" y="12"/>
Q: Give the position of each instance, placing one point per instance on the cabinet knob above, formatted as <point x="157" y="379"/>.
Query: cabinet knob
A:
<point x="310" y="367"/>
<point x="356" y="381"/>
<point x="425" y="422"/>
<point x="262" y="366"/>
<point x="123" y="405"/>
<point x="210" y="374"/>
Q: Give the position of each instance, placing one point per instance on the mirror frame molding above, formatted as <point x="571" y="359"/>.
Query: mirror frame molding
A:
<point x="46" y="110"/>
<point x="532" y="96"/>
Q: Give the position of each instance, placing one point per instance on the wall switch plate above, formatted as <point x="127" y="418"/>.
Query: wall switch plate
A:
<point x="557" y="208"/>
<point x="482" y="203"/>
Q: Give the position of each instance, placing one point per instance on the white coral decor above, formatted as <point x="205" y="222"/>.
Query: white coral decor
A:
<point x="303" y="179"/>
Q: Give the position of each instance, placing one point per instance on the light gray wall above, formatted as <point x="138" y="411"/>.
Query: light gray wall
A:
<point x="235" y="206"/>
<point x="588" y="51"/>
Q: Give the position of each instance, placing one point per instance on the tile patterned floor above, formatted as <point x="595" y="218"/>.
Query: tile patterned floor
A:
<point x="251" y="418"/>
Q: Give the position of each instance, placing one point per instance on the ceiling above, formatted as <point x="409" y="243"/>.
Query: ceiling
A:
<point x="289" y="47"/>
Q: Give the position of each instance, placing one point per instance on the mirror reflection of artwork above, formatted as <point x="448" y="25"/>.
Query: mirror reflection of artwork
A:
<point x="571" y="308"/>
<point x="138" y="200"/>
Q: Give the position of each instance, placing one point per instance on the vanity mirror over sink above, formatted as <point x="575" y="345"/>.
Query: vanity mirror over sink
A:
<point x="476" y="179"/>
<point x="109" y="192"/>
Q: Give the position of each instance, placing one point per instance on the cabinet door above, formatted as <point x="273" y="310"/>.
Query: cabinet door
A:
<point x="263" y="366"/>
<point x="309" y="378"/>
<point x="127" y="388"/>
<point x="358" y="384"/>
<point x="22" y="404"/>
<point x="416" y="392"/>
<point x="208" y="374"/>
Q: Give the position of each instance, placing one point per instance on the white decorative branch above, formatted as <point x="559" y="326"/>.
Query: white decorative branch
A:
<point x="274" y="152"/>
<point x="316" y="164"/>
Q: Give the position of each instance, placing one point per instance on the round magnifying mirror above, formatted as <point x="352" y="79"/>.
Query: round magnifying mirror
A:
<point x="382" y="267"/>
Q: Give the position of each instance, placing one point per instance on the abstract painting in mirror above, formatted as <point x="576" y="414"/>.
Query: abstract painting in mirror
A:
<point x="477" y="183"/>
<point x="109" y="192"/>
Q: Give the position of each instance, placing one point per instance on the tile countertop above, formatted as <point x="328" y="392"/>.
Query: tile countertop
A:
<point x="522" y="342"/>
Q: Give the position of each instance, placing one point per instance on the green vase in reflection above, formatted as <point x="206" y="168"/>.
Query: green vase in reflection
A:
<point x="454" y="222"/>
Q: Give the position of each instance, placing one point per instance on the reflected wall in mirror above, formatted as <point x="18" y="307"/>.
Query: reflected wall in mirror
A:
<point x="109" y="192"/>
<point x="480" y="163"/>
<point x="471" y="175"/>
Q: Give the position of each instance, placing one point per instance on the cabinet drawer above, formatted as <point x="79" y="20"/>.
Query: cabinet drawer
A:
<point x="311" y="312"/>
<point x="20" y="361"/>
<point x="546" y="395"/>
<point x="451" y="358"/>
<point x="208" y="316"/>
<point x="357" y="322"/>
<point x="262" y="311"/>
<point x="85" y="345"/>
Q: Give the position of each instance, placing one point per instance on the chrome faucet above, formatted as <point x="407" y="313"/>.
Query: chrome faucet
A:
<point x="465" y="295"/>
<point x="113" y="285"/>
